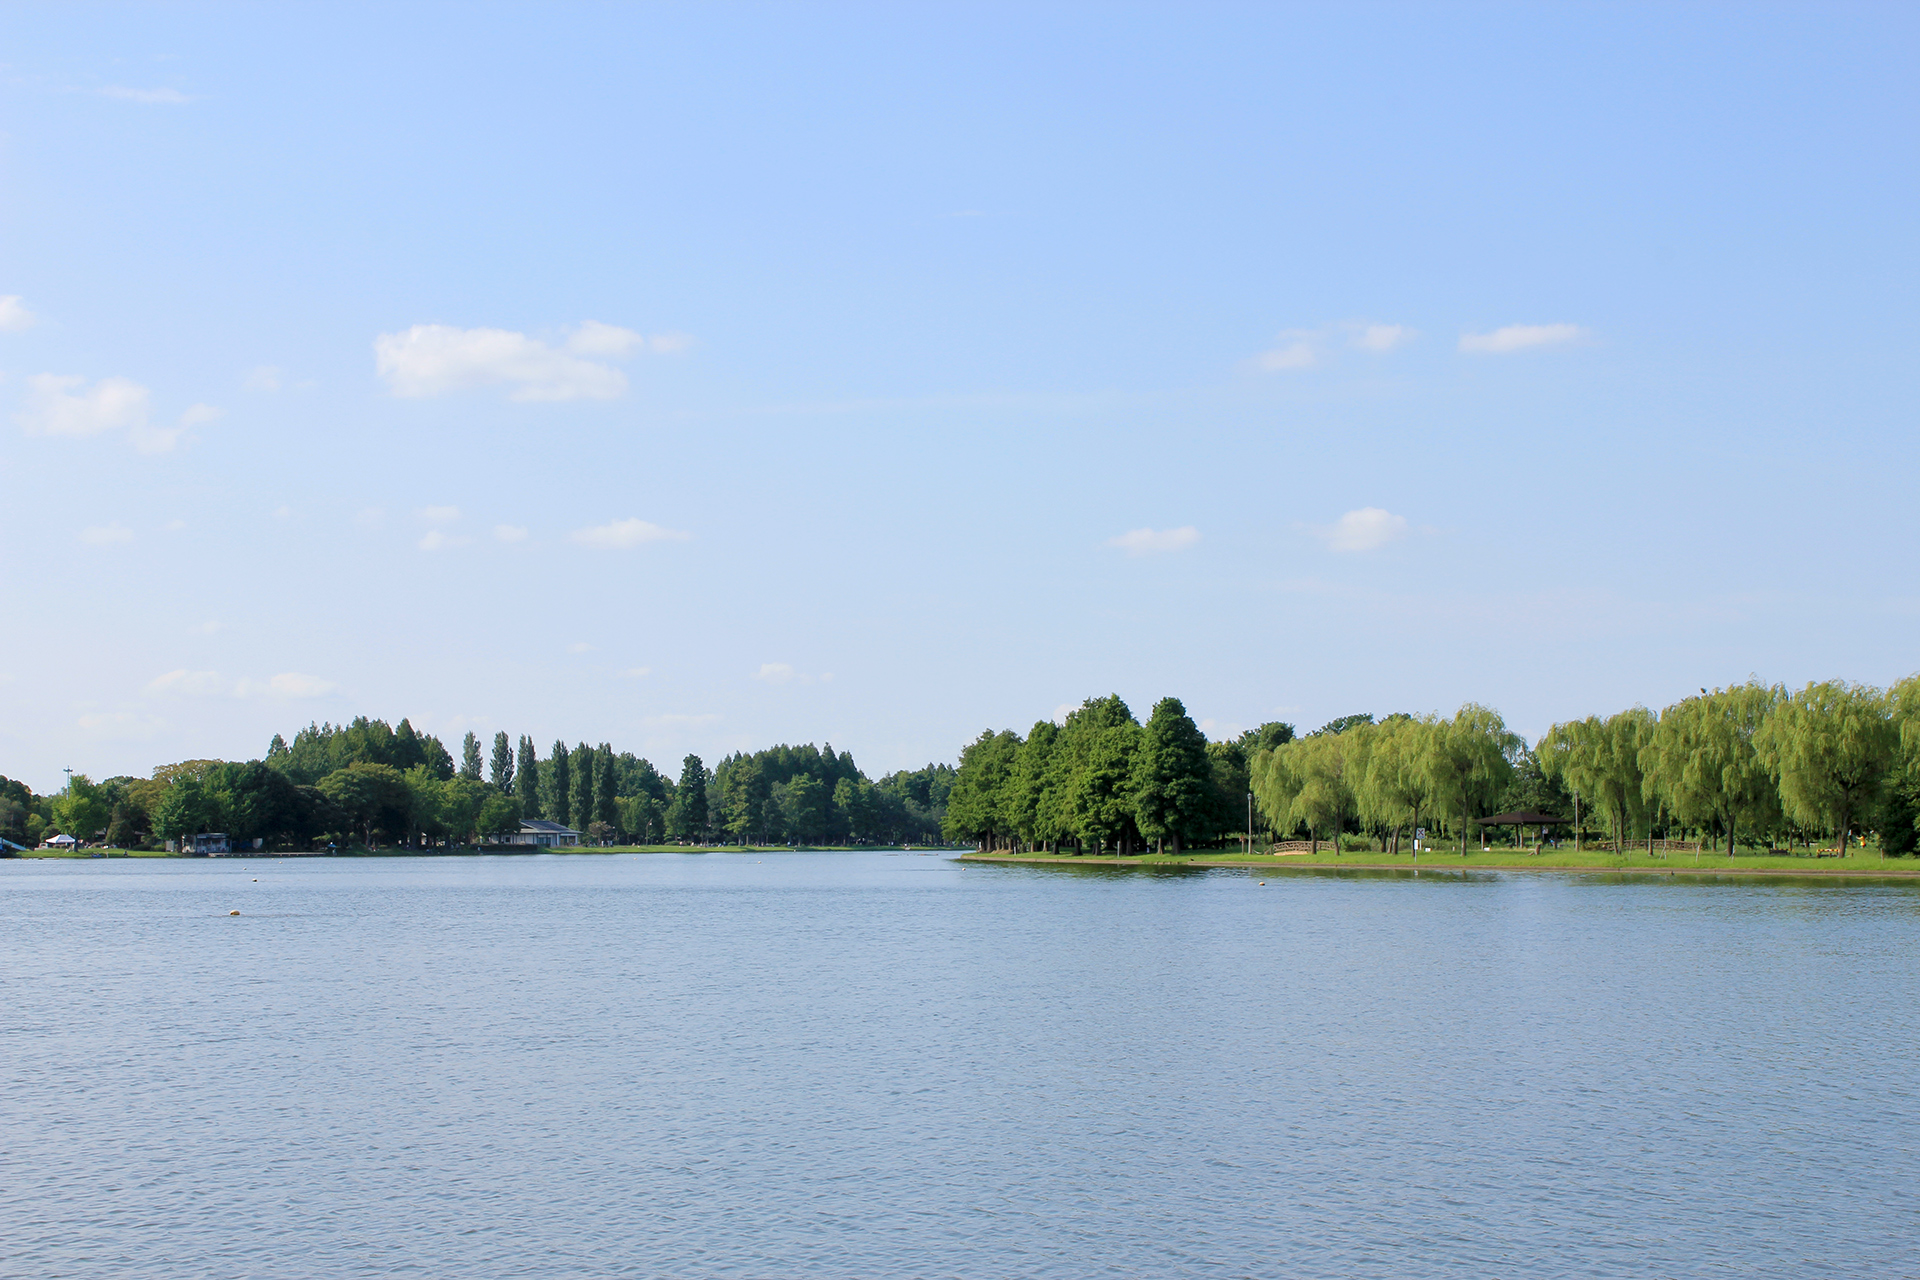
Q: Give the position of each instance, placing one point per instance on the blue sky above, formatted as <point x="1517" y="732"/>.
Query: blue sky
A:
<point x="700" y="377"/>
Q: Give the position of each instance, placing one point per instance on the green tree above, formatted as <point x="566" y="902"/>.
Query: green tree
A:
<point x="559" y="785"/>
<point x="1603" y="761"/>
<point x="82" y="811"/>
<point x="975" y="809"/>
<point x="470" y="756"/>
<point x="687" y="813"/>
<point x="1703" y="760"/>
<point x="1173" y="795"/>
<point x="1468" y="765"/>
<point x="373" y="799"/>
<point x="606" y="800"/>
<point x="184" y="809"/>
<point x="1393" y="787"/>
<point x="1024" y="794"/>
<point x="498" y="814"/>
<point x="526" y="778"/>
<point x="1304" y="783"/>
<point x="1832" y="746"/>
<point x="500" y="767"/>
<point x="580" y="770"/>
<point x="804" y="805"/>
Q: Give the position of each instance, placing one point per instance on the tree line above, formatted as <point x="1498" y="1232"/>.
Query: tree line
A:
<point x="1749" y="762"/>
<point x="370" y="783"/>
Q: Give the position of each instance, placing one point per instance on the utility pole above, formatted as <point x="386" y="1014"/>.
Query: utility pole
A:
<point x="69" y="790"/>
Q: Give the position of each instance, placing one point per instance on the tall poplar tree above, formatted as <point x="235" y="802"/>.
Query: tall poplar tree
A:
<point x="470" y="756"/>
<point x="559" y="785"/>
<point x="581" y="772"/>
<point x="526" y="778"/>
<point x="500" y="767"/>
<point x="606" y="785"/>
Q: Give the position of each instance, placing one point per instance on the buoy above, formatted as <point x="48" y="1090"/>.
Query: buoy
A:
<point x="256" y="879"/>
<point x="1263" y="884"/>
<point x="233" y="913"/>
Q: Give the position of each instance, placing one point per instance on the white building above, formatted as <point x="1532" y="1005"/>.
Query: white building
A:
<point x="544" y="834"/>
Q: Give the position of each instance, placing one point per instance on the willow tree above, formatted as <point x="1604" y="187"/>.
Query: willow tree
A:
<point x="1304" y="783"/>
<point x="1600" y="759"/>
<point x="1703" y="760"/>
<point x="1393" y="790"/>
<point x="1467" y="763"/>
<point x="1831" y="746"/>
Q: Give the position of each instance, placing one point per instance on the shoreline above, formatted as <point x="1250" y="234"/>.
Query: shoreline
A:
<point x="1440" y="864"/>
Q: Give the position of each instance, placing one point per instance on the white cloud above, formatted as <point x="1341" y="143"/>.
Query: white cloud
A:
<point x="283" y="512"/>
<point x="434" y="359"/>
<point x="1520" y="337"/>
<point x="199" y="684"/>
<point x="105" y="535"/>
<point x="775" y="672"/>
<point x="174" y="526"/>
<point x="618" y="535"/>
<point x="1065" y="709"/>
<point x="439" y="540"/>
<point x="1221" y="730"/>
<point x="151" y="97"/>
<point x="510" y="532"/>
<point x="595" y="339"/>
<point x="1363" y="530"/>
<point x="294" y="684"/>
<point x="265" y="377"/>
<point x="1297" y="349"/>
<point x="438" y="515"/>
<point x="580" y="646"/>
<point x="670" y="344"/>
<point x="14" y="315"/>
<point x="370" y="517"/>
<point x="636" y="673"/>
<point x="55" y="405"/>
<point x="679" y="720"/>
<point x="63" y="405"/>
<point x="1382" y="337"/>
<point x="1146" y="542"/>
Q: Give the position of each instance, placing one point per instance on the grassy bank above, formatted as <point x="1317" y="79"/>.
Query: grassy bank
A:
<point x="1856" y="862"/>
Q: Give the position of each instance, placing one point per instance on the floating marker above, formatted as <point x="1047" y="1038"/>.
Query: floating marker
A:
<point x="233" y="913"/>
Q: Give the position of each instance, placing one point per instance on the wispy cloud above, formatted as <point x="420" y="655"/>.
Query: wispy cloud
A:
<point x="1147" y="542"/>
<point x="438" y="515"/>
<point x="1520" y="337"/>
<point x="1363" y="530"/>
<point x="775" y="672"/>
<point x="1296" y="350"/>
<point x="1293" y="350"/>
<point x="105" y="535"/>
<point x="636" y="673"/>
<point x="435" y="359"/>
<point x="264" y="377"/>
<point x="441" y="540"/>
<point x="618" y="535"/>
<point x="510" y="532"/>
<point x="14" y="315"/>
<point x="63" y="405"/>
<point x="149" y="97"/>
<point x="1381" y="337"/>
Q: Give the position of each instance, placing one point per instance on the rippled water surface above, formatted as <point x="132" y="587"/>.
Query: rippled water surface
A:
<point x="874" y="1065"/>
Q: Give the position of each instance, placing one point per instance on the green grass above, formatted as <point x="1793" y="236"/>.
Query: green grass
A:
<point x="1856" y="861"/>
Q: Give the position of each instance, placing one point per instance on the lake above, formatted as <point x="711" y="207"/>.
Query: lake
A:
<point x="889" y="1064"/>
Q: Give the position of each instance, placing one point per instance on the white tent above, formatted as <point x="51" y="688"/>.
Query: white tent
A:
<point x="63" y="841"/>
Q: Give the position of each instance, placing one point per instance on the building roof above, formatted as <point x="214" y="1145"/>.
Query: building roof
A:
<point x="541" y="827"/>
